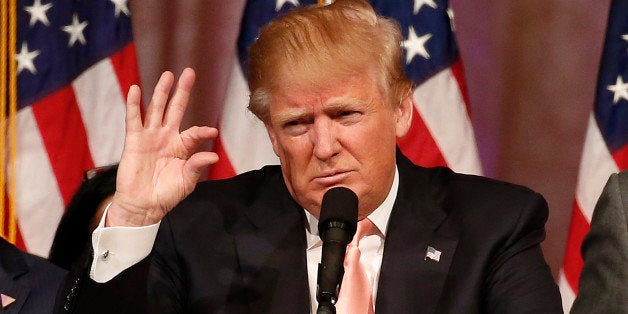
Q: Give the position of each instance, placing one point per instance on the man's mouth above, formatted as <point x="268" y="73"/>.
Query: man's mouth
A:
<point x="331" y="177"/>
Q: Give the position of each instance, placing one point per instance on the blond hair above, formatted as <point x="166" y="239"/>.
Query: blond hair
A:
<point x="315" y="44"/>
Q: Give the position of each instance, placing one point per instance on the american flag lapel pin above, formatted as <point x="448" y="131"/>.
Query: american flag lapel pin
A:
<point x="432" y="254"/>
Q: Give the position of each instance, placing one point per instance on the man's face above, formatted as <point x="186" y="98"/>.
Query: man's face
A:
<point x="342" y="133"/>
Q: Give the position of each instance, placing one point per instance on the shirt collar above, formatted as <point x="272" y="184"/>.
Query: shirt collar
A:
<point x="379" y="216"/>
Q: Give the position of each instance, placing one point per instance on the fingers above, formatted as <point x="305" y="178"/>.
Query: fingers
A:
<point x="179" y="101"/>
<point x="160" y="112"/>
<point x="197" y="163"/>
<point x="155" y="110"/>
<point x="196" y="135"/>
<point x="133" y="111"/>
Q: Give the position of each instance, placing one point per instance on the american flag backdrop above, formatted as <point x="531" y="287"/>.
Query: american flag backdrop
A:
<point x="605" y="147"/>
<point x="75" y="63"/>
<point x="441" y="131"/>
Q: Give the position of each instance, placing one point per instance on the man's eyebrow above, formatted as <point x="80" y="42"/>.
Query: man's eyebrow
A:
<point x="338" y="104"/>
<point x="291" y="115"/>
<point x="342" y="102"/>
<point x="348" y="102"/>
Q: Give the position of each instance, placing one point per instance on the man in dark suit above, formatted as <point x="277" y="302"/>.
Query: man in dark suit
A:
<point x="603" y="286"/>
<point x="28" y="283"/>
<point x="328" y="84"/>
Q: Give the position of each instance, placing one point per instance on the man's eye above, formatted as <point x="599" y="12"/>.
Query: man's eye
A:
<point x="292" y="123"/>
<point x="295" y="127"/>
<point x="349" y="114"/>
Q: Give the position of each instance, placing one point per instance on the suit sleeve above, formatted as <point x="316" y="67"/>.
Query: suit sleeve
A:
<point x="149" y="286"/>
<point x="603" y="286"/>
<point x="519" y="280"/>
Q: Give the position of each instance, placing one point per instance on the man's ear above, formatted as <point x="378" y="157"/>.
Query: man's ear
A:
<point x="403" y="114"/>
<point x="273" y="138"/>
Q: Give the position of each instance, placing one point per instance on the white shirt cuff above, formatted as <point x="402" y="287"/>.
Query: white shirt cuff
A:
<point x="118" y="248"/>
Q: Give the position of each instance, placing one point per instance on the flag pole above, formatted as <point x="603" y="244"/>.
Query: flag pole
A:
<point x="8" y="31"/>
<point x="4" y="18"/>
<point x="12" y="119"/>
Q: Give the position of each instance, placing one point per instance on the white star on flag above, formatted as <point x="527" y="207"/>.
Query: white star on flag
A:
<point x="620" y="90"/>
<point x="121" y="6"/>
<point x="418" y="4"/>
<point x="25" y="59"/>
<point x="279" y="3"/>
<point x="625" y="37"/>
<point x="38" y="13"/>
<point x="415" y="45"/>
<point x="75" y="30"/>
<point x="452" y="24"/>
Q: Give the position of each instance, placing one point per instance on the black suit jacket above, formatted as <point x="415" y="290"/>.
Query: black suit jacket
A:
<point x="31" y="280"/>
<point x="238" y="246"/>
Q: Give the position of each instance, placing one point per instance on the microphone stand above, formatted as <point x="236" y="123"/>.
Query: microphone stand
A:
<point x="327" y="295"/>
<point x="325" y="307"/>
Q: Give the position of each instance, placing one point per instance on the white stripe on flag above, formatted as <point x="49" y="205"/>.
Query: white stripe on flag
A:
<point x="243" y="136"/>
<point x="596" y="166"/>
<point x="442" y="107"/>
<point x="101" y="104"/>
<point x="39" y="203"/>
<point x="566" y="293"/>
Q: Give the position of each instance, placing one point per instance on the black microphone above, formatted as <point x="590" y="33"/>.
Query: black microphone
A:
<point x="336" y="226"/>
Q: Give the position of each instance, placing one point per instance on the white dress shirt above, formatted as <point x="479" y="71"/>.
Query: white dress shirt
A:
<point x="118" y="248"/>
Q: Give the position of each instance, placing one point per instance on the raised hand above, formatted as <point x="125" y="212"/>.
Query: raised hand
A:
<point x="160" y="165"/>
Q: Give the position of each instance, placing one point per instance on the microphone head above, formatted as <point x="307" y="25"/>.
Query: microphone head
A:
<point x="339" y="208"/>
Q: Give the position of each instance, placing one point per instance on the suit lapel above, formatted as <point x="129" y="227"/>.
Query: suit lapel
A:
<point x="12" y="266"/>
<point x="410" y="280"/>
<point x="271" y="248"/>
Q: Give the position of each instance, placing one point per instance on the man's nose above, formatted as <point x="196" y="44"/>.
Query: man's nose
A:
<point x="324" y="138"/>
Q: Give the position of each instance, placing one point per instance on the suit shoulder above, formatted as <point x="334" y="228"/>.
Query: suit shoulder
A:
<point x="241" y="188"/>
<point x="48" y="270"/>
<point x="482" y="195"/>
<point x="225" y="200"/>
<point x="30" y="270"/>
<point x="462" y="183"/>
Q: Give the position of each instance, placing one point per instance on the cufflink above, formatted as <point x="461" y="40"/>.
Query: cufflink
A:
<point x="105" y="255"/>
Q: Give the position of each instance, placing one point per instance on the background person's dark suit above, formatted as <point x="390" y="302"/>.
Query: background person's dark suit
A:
<point x="603" y="286"/>
<point x="239" y="246"/>
<point x="31" y="280"/>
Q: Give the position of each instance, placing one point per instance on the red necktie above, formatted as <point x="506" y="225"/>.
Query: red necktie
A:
<point x="355" y="295"/>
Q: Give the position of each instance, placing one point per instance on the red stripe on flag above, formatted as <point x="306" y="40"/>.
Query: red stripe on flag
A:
<point x="223" y="168"/>
<point x="419" y="145"/>
<point x="458" y="71"/>
<point x="19" y="241"/>
<point x="621" y="157"/>
<point x="125" y="65"/>
<point x="63" y="133"/>
<point x="573" y="263"/>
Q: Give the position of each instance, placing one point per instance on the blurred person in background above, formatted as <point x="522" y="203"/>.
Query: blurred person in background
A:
<point x="28" y="283"/>
<point x="603" y="284"/>
<point x="82" y="215"/>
